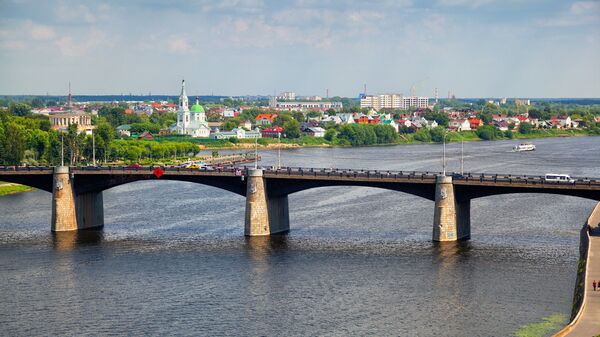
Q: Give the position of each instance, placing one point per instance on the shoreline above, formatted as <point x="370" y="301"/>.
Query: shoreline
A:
<point x="12" y="188"/>
<point x="292" y="146"/>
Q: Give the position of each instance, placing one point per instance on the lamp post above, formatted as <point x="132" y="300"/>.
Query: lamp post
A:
<point x="93" y="148"/>
<point x="279" y="151"/>
<point x="62" y="149"/>
<point x="256" y="153"/>
<point x="462" y="156"/>
<point x="444" y="155"/>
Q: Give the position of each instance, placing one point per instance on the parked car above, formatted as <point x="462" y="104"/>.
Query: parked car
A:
<point x="135" y="166"/>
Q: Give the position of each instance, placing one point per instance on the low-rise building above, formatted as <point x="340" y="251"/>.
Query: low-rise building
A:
<point x="238" y="133"/>
<point x="265" y="119"/>
<point x="316" y="131"/>
<point x="272" y="132"/>
<point x="62" y="121"/>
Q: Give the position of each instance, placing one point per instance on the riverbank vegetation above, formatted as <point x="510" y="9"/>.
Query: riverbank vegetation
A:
<point x="9" y="188"/>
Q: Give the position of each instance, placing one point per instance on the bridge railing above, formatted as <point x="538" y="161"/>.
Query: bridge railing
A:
<point x="331" y="172"/>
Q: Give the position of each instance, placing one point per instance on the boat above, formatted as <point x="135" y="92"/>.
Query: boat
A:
<point x="524" y="147"/>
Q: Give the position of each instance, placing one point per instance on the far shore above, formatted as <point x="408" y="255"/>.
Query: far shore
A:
<point x="287" y="145"/>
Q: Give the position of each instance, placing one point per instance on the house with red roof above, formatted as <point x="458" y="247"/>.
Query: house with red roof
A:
<point x="272" y="132"/>
<point x="265" y="119"/>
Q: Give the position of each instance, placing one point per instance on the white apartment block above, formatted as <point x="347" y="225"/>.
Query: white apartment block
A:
<point x="393" y="101"/>
<point x="287" y="95"/>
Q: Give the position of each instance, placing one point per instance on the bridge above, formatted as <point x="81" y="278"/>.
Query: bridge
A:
<point x="77" y="201"/>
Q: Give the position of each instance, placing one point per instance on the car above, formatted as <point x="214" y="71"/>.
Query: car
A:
<point x="192" y="166"/>
<point x="134" y="166"/>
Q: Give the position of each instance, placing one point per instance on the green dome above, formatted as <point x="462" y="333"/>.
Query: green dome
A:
<point x="197" y="108"/>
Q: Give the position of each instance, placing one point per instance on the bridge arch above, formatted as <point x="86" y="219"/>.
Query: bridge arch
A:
<point x="283" y="187"/>
<point x="98" y="183"/>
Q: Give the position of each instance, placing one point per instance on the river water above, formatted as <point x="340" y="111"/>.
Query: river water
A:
<point x="172" y="258"/>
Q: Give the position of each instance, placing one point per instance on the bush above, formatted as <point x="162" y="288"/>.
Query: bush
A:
<point x="525" y="128"/>
<point x="423" y="135"/>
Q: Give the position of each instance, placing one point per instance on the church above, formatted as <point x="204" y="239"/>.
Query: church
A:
<point x="190" y="121"/>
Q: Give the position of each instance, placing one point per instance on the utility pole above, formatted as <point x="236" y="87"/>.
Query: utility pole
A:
<point x="279" y="151"/>
<point x="256" y="153"/>
<point x="62" y="149"/>
<point x="462" y="156"/>
<point x="93" y="148"/>
<point x="444" y="156"/>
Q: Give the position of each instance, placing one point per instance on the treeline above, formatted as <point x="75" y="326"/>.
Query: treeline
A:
<point x="31" y="140"/>
<point x="362" y="134"/>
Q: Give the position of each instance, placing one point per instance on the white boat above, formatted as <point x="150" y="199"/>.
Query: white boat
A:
<point x="524" y="147"/>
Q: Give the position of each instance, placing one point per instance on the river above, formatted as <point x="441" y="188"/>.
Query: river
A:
<point x="172" y="258"/>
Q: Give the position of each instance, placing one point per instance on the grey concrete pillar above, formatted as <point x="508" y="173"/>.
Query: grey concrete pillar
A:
<point x="463" y="219"/>
<point x="279" y="214"/>
<point x="264" y="215"/>
<point x="64" y="216"/>
<point x="90" y="210"/>
<point x="451" y="219"/>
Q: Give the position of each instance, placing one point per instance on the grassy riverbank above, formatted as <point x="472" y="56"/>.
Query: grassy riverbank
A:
<point x="543" y="328"/>
<point x="9" y="188"/>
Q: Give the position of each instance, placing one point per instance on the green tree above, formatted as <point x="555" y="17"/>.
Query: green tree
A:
<point x="437" y="134"/>
<point x="423" y="135"/>
<point x="486" y="132"/>
<point x="14" y="143"/>
<point x="231" y="124"/>
<point x="330" y="134"/>
<point x="19" y="109"/>
<point x="291" y="128"/>
<point x="525" y="128"/>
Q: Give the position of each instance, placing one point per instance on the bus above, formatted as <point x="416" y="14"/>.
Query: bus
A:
<point x="559" y="178"/>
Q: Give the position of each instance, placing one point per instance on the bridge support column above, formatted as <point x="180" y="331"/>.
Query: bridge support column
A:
<point x="64" y="216"/>
<point x="264" y="215"/>
<point x="90" y="210"/>
<point x="451" y="219"/>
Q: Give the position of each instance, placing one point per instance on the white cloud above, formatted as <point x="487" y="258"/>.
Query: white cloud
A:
<point x="92" y="41"/>
<point x="465" y="3"/>
<point x="179" y="45"/>
<point x="71" y="12"/>
<point x="586" y="7"/>
<point x="39" y="32"/>
<point x="580" y="13"/>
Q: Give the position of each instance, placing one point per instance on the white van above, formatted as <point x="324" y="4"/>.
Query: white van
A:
<point x="559" y="178"/>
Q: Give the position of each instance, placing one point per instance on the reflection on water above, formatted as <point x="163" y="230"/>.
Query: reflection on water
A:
<point x="70" y="240"/>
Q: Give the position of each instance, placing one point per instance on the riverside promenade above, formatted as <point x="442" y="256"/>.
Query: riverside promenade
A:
<point x="587" y="321"/>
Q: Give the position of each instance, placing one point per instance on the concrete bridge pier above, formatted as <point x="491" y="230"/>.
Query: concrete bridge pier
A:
<point x="264" y="215"/>
<point x="64" y="216"/>
<point x="90" y="210"/>
<point x="451" y="219"/>
<point x="71" y="212"/>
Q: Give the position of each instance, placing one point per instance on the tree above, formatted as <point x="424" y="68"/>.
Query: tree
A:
<point x="291" y="128"/>
<point x="14" y="143"/>
<point x="37" y="102"/>
<point x="19" y="109"/>
<point x="486" y="132"/>
<point x="437" y="134"/>
<point x="440" y="118"/>
<point x="525" y="128"/>
<point x="330" y="134"/>
<point x="231" y="123"/>
<point x="423" y="135"/>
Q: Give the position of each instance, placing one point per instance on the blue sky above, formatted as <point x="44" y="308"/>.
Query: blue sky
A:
<point x="474" y="48"/>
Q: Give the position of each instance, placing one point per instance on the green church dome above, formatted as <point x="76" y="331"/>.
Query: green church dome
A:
<point x="197" y="108"/>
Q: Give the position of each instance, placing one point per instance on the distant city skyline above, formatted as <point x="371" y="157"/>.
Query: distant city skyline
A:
<point x="472" y="48"/>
